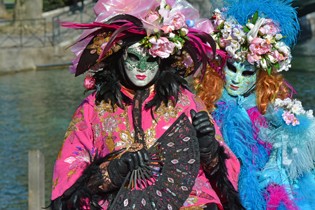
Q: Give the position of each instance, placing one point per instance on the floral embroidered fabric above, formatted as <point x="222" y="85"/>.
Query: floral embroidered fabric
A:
<point x="98" y="130"/>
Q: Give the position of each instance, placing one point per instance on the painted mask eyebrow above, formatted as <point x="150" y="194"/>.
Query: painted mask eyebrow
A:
<point x="247" y="69"/>
<point x="248" y="73"/>
<point x="133" y="56"/>
<point x="137" y="54"/>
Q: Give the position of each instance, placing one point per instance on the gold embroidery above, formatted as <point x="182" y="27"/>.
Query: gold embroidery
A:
<point x="110" y="143"/>
<point x="70" y="173"/>
<point x="55" y="183"/>
<point x="168" y="112"/>
<point x="99" y="41"/>
<point x="78" y="117"/>
<point x="73" y="126"/>
<point x="104" y="107"/>
<point x="150" y="134"/>
<point x="127" y="135"/>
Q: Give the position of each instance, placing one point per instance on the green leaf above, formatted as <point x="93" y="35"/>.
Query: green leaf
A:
<point x="255" y="17"/>
<point x="269" y="71"/>
<point x="246" y="29"/>
<point x="220" y="26"/>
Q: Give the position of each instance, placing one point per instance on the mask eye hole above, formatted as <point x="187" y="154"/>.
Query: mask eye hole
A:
<point x="151" y="59"/>
<point x="132" y="57"/>
<point x="248" y="73"/>
<point x="231" y="67"/>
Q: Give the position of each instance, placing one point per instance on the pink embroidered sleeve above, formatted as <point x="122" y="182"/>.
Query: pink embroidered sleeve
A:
<point x="77" y="151"/>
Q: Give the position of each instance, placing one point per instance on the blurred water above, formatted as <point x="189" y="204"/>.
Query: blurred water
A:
<point x="35" y="109"/>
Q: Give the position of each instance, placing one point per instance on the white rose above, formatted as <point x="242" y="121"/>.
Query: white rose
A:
<point x="278" y="36"/>
<point x="178" y="45"/>
<point x="309" y="113"/>
<point x="278" y="102"/>
<point x="282" y="47"/>
<point x="184" y="31"/>
<point x="263" y="63"/>
<point x="272" y="59"/>
<point x="171" y="35"/>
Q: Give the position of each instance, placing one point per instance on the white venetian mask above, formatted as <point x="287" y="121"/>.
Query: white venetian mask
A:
<point x="140" y="66"/>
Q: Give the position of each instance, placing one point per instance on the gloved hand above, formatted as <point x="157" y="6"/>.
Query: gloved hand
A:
<point x="129" y="161"/>
<point x="208" y="145"/>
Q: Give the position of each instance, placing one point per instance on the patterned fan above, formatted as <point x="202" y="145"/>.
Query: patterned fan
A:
<point x="166" y="180"/>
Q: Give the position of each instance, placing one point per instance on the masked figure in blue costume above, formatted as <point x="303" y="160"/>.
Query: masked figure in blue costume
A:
<point x="269" y="131"/>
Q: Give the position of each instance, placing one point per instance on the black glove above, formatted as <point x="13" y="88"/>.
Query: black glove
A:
<point x="208" y="145"/>
<point x="129" y="161"/>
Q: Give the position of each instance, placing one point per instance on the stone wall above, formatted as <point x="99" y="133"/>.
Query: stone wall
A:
<point x="21" y="59"/>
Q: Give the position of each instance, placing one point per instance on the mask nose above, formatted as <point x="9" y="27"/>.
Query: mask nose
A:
<point x="142" y="66"/>
<point x="236" y="79"/>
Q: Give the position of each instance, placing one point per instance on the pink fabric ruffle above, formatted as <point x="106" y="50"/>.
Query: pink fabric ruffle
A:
<point x="105" y="9"/>
<point x="278" y="196"/>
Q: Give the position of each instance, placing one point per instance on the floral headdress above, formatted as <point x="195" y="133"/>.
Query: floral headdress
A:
<point x="259" y="32"/>
<point x="292" y="108"/>
<point x="166" y="27"/>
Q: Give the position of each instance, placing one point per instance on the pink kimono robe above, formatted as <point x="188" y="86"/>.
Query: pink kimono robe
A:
<point x="99" y="128"/>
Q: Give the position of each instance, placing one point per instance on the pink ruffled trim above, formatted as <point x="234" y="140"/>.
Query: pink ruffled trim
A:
<point x="105" y="9"/>
<point x="278" y="196"/>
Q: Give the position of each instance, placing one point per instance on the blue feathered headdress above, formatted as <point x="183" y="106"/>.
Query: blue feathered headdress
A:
<point x="280" y="11"/>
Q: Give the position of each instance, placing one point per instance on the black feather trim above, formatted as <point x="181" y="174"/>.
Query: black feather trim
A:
<point x="167" y="87"/>
<point x="221" y="184"/>
<point x="109" y="89"/>
<point x="75" y="198"/>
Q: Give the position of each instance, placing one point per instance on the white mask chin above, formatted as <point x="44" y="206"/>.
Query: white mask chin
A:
<point x="240" y="78"/>
<point x="140" y="66"/>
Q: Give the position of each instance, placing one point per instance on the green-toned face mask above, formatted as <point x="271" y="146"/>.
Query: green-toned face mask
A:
<point x="240" y="78"/>
<point x="140" y="66"/>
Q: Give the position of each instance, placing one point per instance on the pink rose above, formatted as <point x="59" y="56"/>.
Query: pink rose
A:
<point x="152" y="16"/>
<point x="223" y="42"/>
<point x="269" y="28"/>
<point x="178" y="21"/>
<point x="167" y="29"/>
<point x="161" y="47"/>
<point x="259" y="46"/>
<point x="253" y="58"/>
<point x="278" y="56"/>
<point x="289" y="118"/>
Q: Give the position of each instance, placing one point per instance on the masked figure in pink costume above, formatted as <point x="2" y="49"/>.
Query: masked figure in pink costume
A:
<point x="141" y="139"/>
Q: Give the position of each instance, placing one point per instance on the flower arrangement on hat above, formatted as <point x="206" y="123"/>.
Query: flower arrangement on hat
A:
<point x="259" y="41"/>
<point x="167" y="28"/>
<point x="291" y="109"/>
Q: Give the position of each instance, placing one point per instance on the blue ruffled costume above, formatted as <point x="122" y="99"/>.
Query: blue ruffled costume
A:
<point x="277" y="159"/>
